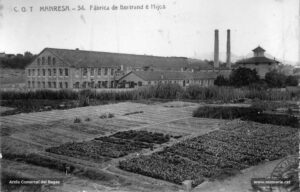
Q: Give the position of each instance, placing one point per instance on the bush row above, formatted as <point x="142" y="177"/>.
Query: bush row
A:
<point x="246" y="113"/>
<point x="161" y="91"/>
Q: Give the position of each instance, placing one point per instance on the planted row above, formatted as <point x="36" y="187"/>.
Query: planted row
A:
<point x="217" y="153"/>
<point x="115" y="146"/>
<point x="143" y="136"/>
<point x="97" y="149"/>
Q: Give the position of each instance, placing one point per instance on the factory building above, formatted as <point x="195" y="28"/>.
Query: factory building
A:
<point x="142" y="78"/>
<point x="77" y="69"/>
<point x="259" y="62"/>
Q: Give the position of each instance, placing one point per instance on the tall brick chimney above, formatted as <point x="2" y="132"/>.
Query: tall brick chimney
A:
<point x="216" y="52"/>
<point x="228" y="50"/>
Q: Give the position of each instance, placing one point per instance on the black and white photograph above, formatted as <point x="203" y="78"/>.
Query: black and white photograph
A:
<point x="149" y="95"/>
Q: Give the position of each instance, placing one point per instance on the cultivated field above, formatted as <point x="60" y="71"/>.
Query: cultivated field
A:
<point x="135" y="147"/>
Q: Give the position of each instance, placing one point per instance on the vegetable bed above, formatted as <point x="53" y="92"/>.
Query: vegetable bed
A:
<point x="114" y="146"/>
<point x="218" y="153"/>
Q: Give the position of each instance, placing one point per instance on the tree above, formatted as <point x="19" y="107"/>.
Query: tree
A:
<point x="17" y="61"/>
<point x="243" y="77"/>
<point x="291" y="81"/>
<point x="275" y="79"/>
<point x="221" y="81"/>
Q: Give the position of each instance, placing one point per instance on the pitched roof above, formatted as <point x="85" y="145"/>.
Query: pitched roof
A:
<point x="172" y="75"/>
<point x="257" y="60"/>
<point x="80" y="58"/>
<point x="258" y="49"/>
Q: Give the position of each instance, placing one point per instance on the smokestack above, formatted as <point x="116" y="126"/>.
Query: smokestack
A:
<point x="216" y="53"/>
<point x="228" y="53"/>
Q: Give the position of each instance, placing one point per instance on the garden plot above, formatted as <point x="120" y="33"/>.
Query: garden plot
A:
<point x="84" y="112"/>
<point x="188" y="126"/>
<point x="68" y="141"/>
<point x="216" y="153"/>
<point x="114" y="146"/>
<point x="59" y="132"/>
<point x="159" y="114"/>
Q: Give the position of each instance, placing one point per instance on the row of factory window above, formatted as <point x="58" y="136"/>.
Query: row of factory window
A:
<point x="98" y="84"/>
<point x="49" y="84"/>
<point x="48" y="72"/>
<point x="49" y="61"/>
<point x="98" y="71"/>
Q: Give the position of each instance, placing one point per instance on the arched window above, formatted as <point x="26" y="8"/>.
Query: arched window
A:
<point x="38" y="61"/>
<point x="43" y="60"/>
<point x="53" y="61"/>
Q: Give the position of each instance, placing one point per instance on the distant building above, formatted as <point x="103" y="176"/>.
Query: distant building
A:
<point x="259" y="62"/>
<point x="142" y="78"/>
<point x="78" y="69"/>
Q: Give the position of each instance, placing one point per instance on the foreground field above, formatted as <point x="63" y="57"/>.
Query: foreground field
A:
<point x="213" y="154"/>
<point x="160" y="145"/>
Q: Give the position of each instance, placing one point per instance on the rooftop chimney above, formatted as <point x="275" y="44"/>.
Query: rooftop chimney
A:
<point x="216" y="52"/>
<point x="228" y="52"/>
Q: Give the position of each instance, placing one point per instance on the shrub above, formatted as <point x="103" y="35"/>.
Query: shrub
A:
<point x="291" y="81"/>
<point x="221" y="81"/>
<point x="39" y="94"/>
<point x="110" y="115"/>
<point x="77" y="120"/>
<point x="275" y="79"/>
<point x="103" y="116"/>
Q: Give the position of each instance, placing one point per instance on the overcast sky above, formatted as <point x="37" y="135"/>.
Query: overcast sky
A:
<point x="184" y="28"/>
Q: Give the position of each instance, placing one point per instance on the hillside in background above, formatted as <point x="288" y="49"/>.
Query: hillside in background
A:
<point x="19" y="61"/>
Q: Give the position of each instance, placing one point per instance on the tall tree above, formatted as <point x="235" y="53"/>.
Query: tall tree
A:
<point x="243" y="77"/>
